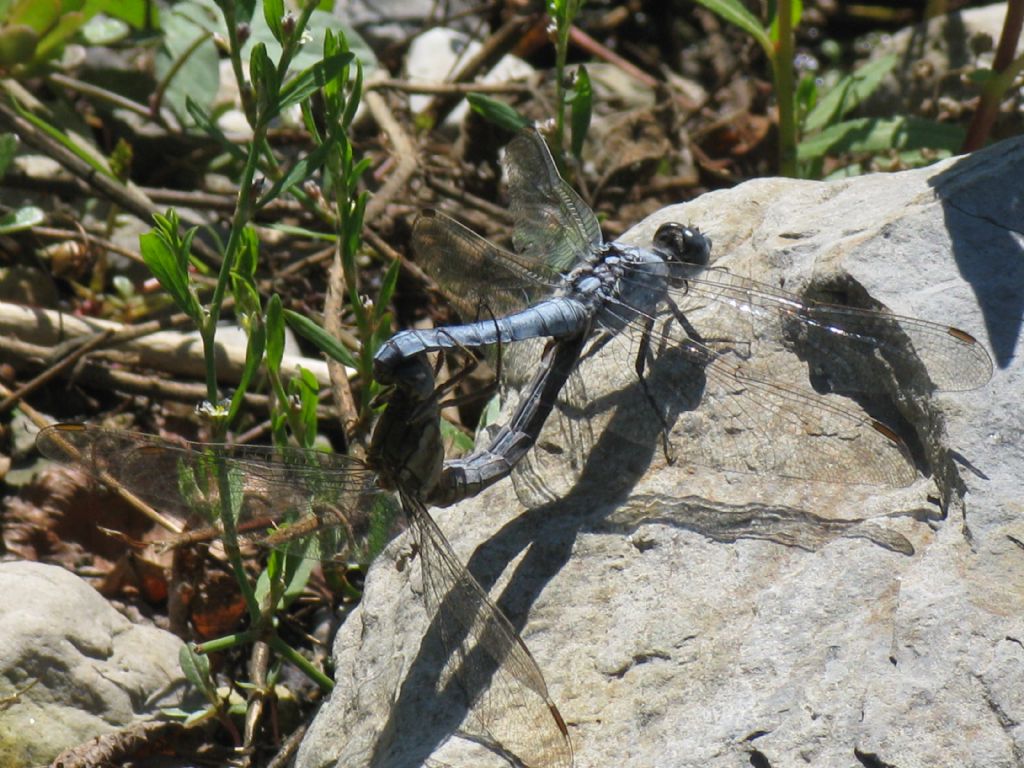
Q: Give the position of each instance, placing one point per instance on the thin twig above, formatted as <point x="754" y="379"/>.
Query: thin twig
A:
<point x="168" y="351"/>
<point x="589" y="44"/>
<point x="452" y="192"/>
<point x="212" y="201"/>
<point x="403" y="150"/>
<point x="102" y="376"/>
<point x="380" y="245"/>
<point x="99" y="93"/>
<point x="135" y="501"/>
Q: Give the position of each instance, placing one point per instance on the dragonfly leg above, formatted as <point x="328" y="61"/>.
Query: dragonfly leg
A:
<point x="469" y="365"/>
<point x="694" y="335"/>
<point x="640" y="366"/>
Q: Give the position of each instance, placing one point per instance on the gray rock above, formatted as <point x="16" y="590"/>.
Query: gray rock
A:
<point x="686" y="617"/>
<point x="95" y="671"/>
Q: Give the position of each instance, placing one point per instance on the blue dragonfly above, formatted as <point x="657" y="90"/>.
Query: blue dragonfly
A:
<point x="563" y="294"/>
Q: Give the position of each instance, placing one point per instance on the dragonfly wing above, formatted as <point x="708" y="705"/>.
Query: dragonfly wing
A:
<point x="725" y="409"/>
<point x="509" y="709"/>
<point x="477" y="275"/>
<point x="553" y="226"/>
<point x="145" y="466"/>
<point x="306" y="502"/>
<point x="845" y="342"/>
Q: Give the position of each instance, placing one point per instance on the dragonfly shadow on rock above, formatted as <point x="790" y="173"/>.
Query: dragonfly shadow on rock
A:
<point x="601" y="500"/>
<point x="893" y="388"/>
<point x="422" y="717"/>
<point x="602" y="497"/>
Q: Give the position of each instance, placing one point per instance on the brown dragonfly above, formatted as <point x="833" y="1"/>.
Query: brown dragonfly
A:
<point x="336" y="507"/>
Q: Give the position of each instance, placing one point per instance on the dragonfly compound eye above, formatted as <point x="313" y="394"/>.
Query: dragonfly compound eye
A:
<point x="680" y="243"/>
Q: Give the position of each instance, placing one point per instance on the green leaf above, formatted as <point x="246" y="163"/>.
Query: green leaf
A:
<point x="248" y="254"/>
<point x="257" y="337"/>
<point x="490" y="414"/>
<point x="735" y="13"/>
<point x="306" y="83"/>
<point x="387" y="290"/>
<point x="353" y="99"/>
<point x="197" y="77"/>
<point x="497" y="112"/>
<point x="245" y="10"/>
<point x="873" y="135"/>
<point x="275" y="333"/>
<point x="270" y="574"/>
<point x="273" y="13"/>
<point x="54" y="40"/>
<point x="806" y="96"/>
<point x="310" y="234"/>
<point x="265" y="80"/>
<point x="849" y="93"/>
<point x="306" y="387"/>
<point x="21" y="219"/>
<point x="196" y="667"/>
<point x="39" y="15"/>
<point x="581" y="98"/>
<point x="170" y="269"/>
<point x="63" y="139"/>
<point x="323" y="341"/>
<point x="297" y="573"/>
<point x="981" y="76"/>
<point x="247" y="298"/>
<point x="141" y="14"/>
<point x="454" y="436"/>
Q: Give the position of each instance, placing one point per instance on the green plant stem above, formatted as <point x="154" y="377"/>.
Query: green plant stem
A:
<point x="235" y="55"/>
<point x="300" y="661"/>
<point x="227" y="642"/>
<point x="243" y="213"/>
<point x="782" y="69"/>
<point x="231" y="545"/>
<point x="98" y="92"/>
<point x="259" y="119"/>
<point x="161" y="88"/>
<point x="561" y="53"/>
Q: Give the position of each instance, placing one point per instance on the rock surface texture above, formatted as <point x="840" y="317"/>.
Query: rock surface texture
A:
<point x="94" y="670"/>
<point x="688" y="617"/>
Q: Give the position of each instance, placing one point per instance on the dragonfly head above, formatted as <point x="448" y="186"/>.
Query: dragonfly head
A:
<point x="684" y="245"/>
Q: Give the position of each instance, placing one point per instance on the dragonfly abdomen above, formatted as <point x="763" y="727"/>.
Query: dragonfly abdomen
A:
<point x="556" y="318"/>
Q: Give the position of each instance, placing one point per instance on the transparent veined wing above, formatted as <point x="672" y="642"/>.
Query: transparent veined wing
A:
<point x="322" y="506"/>
<point x="477" y="276"/>
<point x="552" y="225"/>
<point x="507" y="705"/>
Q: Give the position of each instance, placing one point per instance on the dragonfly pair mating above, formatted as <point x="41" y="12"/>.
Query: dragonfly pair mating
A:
<point x="564" y="285"/>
